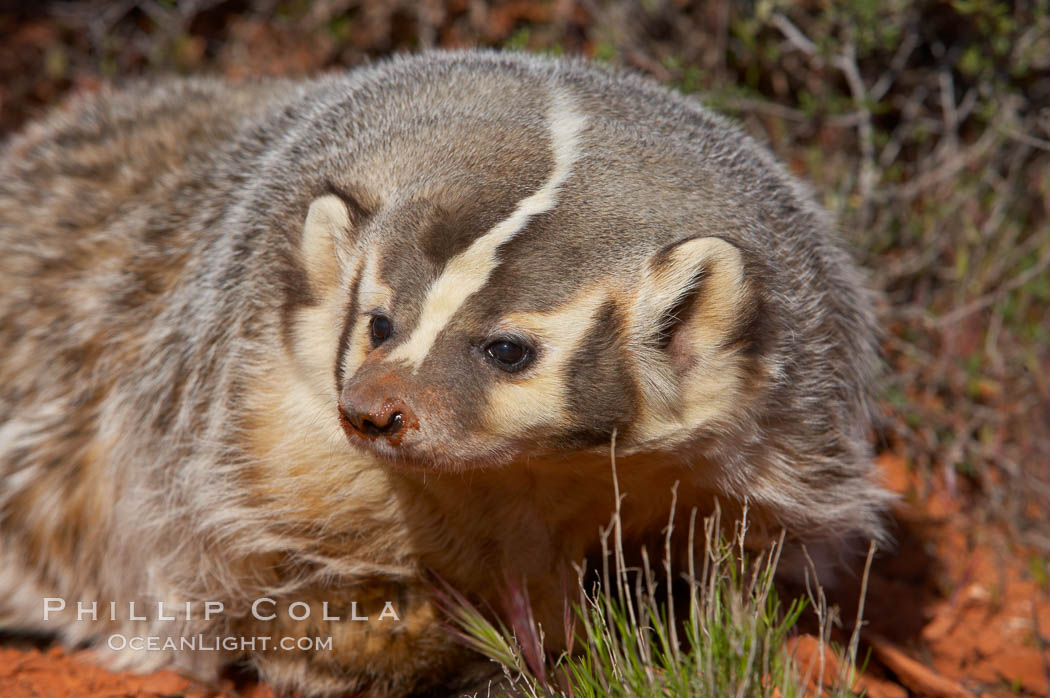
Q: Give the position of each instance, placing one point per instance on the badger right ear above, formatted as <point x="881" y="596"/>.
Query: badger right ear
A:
<point x="687" y="301"/>
<point x="326" y="246"/>
<point x="691" y="295"/>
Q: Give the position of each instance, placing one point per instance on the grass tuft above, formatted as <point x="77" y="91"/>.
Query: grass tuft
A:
<point x="723" y="635"/>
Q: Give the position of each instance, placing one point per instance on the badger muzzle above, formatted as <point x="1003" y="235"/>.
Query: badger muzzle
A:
<point x="371" y="410"/>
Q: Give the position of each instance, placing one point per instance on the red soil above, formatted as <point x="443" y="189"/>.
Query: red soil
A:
<point x="955" y="610"/>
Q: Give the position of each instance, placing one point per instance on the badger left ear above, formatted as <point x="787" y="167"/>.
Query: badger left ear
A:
<point x="326" y="247"/>
<point x="690" y="297"/>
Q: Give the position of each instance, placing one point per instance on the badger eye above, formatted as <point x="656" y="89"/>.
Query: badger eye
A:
<point x="508" y="355"/>
<point x="381" y="328"/>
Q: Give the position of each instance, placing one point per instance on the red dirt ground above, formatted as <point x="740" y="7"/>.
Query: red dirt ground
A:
<point x="954" y="611"/>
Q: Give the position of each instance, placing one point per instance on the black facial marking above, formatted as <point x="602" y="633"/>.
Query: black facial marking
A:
<point x="454" y="229"/>
<point x="601" y="392"/>
<point x="348" y="328"/>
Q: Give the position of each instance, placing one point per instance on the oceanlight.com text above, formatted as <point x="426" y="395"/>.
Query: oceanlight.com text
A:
<point x="217" y="643"/>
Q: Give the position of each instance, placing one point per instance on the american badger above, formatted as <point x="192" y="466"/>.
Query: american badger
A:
<point x="275" y="356"/>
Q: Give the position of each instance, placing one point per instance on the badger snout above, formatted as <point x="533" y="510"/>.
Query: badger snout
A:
<point x="371" y="419"/>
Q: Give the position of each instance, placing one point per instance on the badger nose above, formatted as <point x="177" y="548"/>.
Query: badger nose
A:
<point x="370" y="422"/>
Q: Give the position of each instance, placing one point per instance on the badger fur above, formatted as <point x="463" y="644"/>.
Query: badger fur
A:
<point x="316" y="341"/>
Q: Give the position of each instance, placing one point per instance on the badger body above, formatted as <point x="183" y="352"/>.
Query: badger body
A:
<point x="325" y="341"/>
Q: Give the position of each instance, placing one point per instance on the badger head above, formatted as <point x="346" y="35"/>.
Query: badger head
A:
<point x="530" y="292"/>
<point x="506" y="266"/>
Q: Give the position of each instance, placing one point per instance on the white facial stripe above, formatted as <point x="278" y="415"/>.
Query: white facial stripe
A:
<point x="466" y="273"/>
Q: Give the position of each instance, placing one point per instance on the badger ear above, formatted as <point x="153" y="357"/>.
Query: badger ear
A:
<point x="691" y="300"/>
<point x="326" y="246"/>
<point x="691" y="295"/>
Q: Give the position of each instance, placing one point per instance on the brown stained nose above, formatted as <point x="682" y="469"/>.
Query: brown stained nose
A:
<point x="386" y="420"/>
